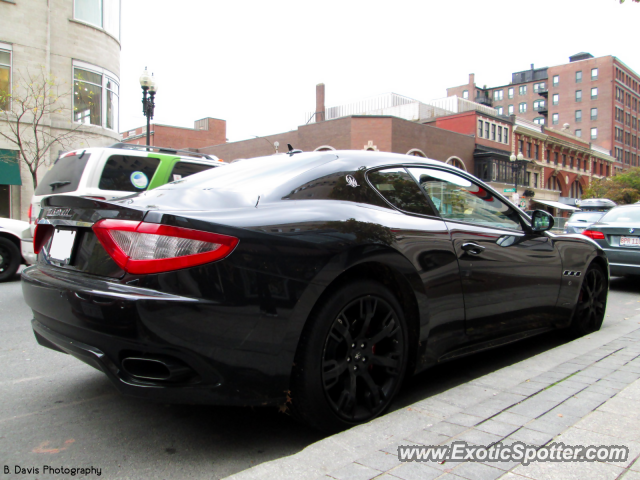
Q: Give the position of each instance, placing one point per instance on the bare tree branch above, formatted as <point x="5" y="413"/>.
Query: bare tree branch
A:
<point x="27" y="111"/>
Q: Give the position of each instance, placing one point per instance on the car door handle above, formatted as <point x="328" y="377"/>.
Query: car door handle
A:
<point x="473" y="248"/>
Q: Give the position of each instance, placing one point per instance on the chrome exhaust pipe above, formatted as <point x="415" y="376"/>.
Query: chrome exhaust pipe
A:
<point x="156" y="368"/>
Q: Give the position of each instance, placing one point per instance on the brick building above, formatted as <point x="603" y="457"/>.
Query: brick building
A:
<point x="597" y="97"/>
<point x="206" y="131"/>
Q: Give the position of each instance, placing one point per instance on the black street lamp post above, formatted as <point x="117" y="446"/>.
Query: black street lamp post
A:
<point x="149" y="89"/>
<point x="516" y="164"/>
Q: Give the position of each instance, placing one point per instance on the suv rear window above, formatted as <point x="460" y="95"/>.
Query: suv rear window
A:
<point x="128" y="173"/>
<point x="184" y="169"/>
<point x="64" y="175"/>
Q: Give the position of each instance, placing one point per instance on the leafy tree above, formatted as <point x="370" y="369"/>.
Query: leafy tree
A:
<point x="26" y="113"/>
<point x="624" y="188"/>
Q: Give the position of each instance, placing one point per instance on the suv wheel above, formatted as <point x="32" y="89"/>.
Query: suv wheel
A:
<point x="9" y="259"/>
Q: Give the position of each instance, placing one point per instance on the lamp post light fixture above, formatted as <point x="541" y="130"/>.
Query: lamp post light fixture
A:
<point x="516" y="164"/>
<point x="149" y="89"/>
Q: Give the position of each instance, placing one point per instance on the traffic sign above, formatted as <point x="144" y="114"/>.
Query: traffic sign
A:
<point x="509" y="190"/>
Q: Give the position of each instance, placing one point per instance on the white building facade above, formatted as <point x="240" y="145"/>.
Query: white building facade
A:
<point x="77" y="43"/>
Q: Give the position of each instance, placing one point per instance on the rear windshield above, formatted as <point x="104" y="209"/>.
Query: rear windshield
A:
<point x="622" y="215"/>
<point x="64" y="175"/>
<point x="184" y="169"/>
<point x="128" y="174"/>
<point x="585" y="217"/>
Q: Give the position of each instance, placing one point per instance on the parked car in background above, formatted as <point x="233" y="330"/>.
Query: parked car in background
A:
<point x="314" y="281"/>
<point x="618" y="233"/>
<point x="580" y="221"/>
<point x="108" y="173"/>
<point x="12" y="244"/>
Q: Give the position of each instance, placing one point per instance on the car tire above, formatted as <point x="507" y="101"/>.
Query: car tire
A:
<point x="592" y="302"/>
<point x="9" y="259"/>
<point x="351" y="357"/>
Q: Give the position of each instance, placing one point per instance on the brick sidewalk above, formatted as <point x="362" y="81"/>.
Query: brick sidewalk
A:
<point x="585" y="392"/>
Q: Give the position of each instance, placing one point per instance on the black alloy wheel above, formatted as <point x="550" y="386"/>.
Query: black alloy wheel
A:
<point x="9" y="259"/>
<point x="592" y="302"/>
<point x="351" y="358"/>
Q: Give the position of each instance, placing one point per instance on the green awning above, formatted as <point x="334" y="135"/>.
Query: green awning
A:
<point x="9" y="168"/>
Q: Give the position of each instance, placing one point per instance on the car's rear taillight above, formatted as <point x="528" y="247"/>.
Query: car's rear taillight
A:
<point x="41" y="236"/>
<point x="594" y="234"/>
<point x="29" y="214"/>
<point x="143" y="248"/>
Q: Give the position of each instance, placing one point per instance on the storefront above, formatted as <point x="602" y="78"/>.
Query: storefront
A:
<point x="9" y="176"/>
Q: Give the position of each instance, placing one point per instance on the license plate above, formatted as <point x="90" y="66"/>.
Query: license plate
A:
<point x="62" y="246"/>
<point x="630" y="241"/>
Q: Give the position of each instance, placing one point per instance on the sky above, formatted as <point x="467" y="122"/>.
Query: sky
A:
<point x="255" y="64"/>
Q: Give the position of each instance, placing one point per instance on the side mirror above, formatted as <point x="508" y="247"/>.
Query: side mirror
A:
<point x="541" y="221"/>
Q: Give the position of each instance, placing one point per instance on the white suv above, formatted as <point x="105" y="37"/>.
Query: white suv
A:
<point x="108" y="173"/>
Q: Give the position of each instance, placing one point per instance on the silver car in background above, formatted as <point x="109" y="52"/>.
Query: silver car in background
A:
<point x="618" y="233"/>
<point x="580" y="221"/>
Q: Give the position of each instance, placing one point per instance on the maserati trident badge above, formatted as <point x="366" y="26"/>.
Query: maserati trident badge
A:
<point x="352" y="182"/>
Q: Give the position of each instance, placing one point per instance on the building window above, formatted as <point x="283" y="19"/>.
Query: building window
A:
<point x="555" y="99"/>
<point x="578" y="95"/>
<point x="556" y="80"/>
<point x="95" y="97"/>
<point x="594" y="114"/>
<point x="555" y="158"/>
<point x="578" y="132"/>
<point x="500" y="134"/>
<point x="538" y="105"/>
<point x="578" y="115"/>
<point x="510" y="93"/>
<point x="594" y="133"/>
<point x="528" y="149"/>
<point x="506" y="134"/>
<point x="497" y="95"/>
<point x="486" y="130"/>
<point x="555" y="118"/>
<point x="539" y="120"/>
<point x="538" y="87"/>
<point x="101" y="13"/>
<point x="510" y="109"/>
<point x="536" y="152"/>
<point x="500" y="110"/>
<point x="594" y="93"/>
<point x="480" y="122"/>
<point x="594" y="74"/>
<point x="579" y="76"/>
<point x="522" y="90"/>
<point x="522" y="107"/>
<point x="465" y="94"/>
<point x="493" y="132"/>
<point x="5" y="78"/>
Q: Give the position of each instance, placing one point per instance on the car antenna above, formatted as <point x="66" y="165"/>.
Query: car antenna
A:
<point x="292" y="151"/>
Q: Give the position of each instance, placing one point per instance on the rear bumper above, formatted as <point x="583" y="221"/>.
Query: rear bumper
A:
<point x="103" y="323"/>
<point x="623" y="262"/>
<point x="26" y="246"/>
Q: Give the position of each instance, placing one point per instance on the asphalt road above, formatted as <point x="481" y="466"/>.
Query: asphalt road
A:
<point x="57" y="411"/>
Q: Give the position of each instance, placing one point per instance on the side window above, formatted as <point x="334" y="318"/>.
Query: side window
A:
<point x="184" y="169"/>
<point x="401" y="190"/>
<point x="128" y="173"/>
<point x="456" y="198"/>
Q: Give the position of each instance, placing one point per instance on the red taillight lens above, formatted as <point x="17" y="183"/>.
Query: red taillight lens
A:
<point x="29" y="213"/>
<point x="594" y="234"/>
<point x="143" y="248"/>
<point x="41" y="236"/>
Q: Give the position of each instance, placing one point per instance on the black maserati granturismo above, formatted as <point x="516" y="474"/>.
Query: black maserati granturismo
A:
<point x="314" y="281"/>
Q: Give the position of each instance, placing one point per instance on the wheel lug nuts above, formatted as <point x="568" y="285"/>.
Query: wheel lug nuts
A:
<point x="364" y="359"/>
<point x="355" y="368"/>
<point x="348" y="359"/>
<point x="362" y="345"/>
<point x="353" y="345"/>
